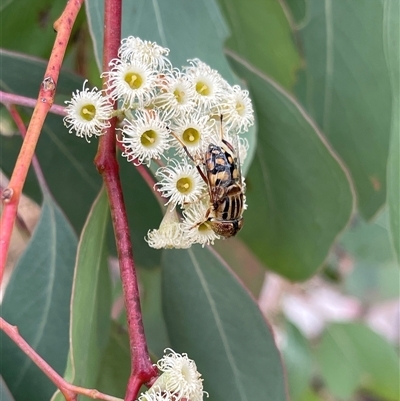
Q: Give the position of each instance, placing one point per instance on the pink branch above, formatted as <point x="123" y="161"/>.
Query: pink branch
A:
<point x="69" y="391"/>
<point x="10" y="196"/>
<point x="142" y="370"/>
<point x="11" y="98"/>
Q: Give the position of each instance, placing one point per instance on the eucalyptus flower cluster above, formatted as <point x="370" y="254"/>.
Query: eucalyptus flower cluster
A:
<point x="179" y="380"/>
<point x="167" y="119"/>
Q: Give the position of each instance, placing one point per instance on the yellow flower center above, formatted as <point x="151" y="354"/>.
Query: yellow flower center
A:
<point x="179" y="95"/>
<point x="191" y="136"/>
<point x="203" y="89"/>
<point x="239" y="108"/>
<point x="148" y="138"/>
<point x="184" y="185"/>
<point x="88" y="112"/>
<point x="204" y="227"/>
<point x="134" y="80"/>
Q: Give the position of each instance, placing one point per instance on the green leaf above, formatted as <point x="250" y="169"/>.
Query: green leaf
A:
<point x="90" y="301"/>
<point x="374" y="277"/>
<point x="394" y="184"/>
<point x="276" y="53"/>
<point x="368" y="241"/>
<point x="298" y="192"/>
<point x="15" y="66"/>
<point x="151" y="304"/>
<point x="144" y="213"/>
<point x="37" y="300"/>
<point x="30" y="21"/>
<point x="392" y="45"/>
<point x="345" y="87"/>
<point x="211" y="317"/>
<point x="243" y="263"/>
<point x="5" y="394"/>
<point x="310" y="395"/>
<point x="190" y="29"/>
<point x="298" y="361"/>
<point x="116" y="365"/>
<point x="352" y="356"/>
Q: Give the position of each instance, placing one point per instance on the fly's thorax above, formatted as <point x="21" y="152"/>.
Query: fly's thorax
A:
<point x="220" y="165"/>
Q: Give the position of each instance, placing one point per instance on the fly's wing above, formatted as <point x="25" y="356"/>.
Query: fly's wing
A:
<point x="218" y="166"/>
<point x="232" y="142"/>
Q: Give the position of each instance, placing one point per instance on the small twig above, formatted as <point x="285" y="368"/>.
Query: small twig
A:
<point x="11" y="98"/>
<point x="11" y="195"/>
<point x="142" y="369"/>
<point x="69" y="391"/>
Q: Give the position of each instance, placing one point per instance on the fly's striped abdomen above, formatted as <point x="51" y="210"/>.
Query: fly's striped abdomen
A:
<point x="230" y="207"/>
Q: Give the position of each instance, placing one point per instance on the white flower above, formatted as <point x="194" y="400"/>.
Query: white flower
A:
<point x="195" y="131"/>
<point x="88" y="112"/>
<point x="243" y="145"/>
<point x="145" y="137"/>
<point x="207" y="83"/>
<point x="176" y="94"/>
<point x="181" y="183"/>
<point x="170" y="234"/>
<point x="196" y="227"/>
<point x="134" y="83"/>
<point x="237" y="110"/>
<point x="180" y="377"/>
<point x="152" y="395"/>
<point x="149" y="53"/>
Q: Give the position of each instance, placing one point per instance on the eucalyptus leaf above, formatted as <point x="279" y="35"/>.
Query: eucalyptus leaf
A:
<point x="392" y="45"/>
<point x="5" y="394"/>
<point x="116" y="364"/>
<point x="90" y="301"/>
<point x="345" y="87"/>
<point x="212" y="318"/>
<point x="190" y="29"/>
<point x="298" y="191"/>
<point x="298" y="361"/>
<point x="32" y="21"/>
<point x="37" y="301"/>
<point x="261" y="34"/>
<point x="360" y="353"/>
<point x="151" y="304"/>
<point x="374" y="277"/>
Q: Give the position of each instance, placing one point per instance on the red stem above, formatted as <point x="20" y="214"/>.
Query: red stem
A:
<point x="69" y="391"/>
<point x="11" y="195"/>
<point x="142" y="370"/>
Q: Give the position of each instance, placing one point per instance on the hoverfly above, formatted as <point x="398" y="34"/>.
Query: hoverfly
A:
<point x="225" y="187"/>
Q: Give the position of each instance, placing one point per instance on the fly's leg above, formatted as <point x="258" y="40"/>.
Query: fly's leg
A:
<point x="221" y="133"/>
<point x="206" y="219"/>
